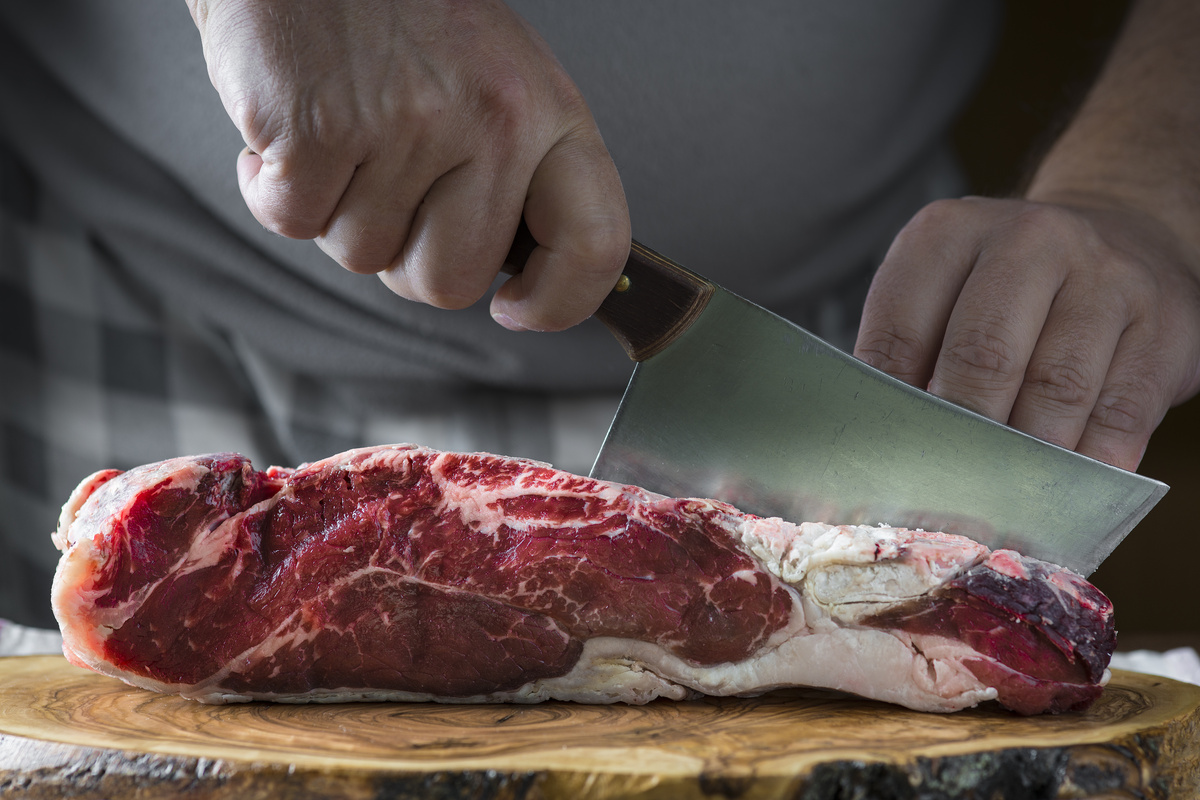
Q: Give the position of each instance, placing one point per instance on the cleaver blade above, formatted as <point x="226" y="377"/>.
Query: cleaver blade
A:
<point x="730" y="401"/>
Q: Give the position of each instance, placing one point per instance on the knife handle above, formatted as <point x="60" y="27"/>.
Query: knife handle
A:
<point x="654" y="301"/>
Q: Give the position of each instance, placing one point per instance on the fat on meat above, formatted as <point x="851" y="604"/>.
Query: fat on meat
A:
<point x="409" y="574"/>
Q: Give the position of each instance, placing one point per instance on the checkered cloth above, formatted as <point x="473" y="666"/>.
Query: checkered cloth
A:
<point x="100" y="372"/>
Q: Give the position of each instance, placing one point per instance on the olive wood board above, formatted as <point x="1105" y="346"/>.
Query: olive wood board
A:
<point x="68" y="732"/>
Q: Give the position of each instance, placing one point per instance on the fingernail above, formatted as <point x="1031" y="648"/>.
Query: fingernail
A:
<point x="509" y="322"/>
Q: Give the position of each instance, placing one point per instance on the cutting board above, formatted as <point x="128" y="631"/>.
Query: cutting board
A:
<point x="67" y="732"/>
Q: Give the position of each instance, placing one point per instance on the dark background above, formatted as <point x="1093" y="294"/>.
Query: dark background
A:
<point x="1047" y="57"/>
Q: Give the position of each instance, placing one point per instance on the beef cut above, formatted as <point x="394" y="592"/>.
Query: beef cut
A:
<point x="404" y="573"/>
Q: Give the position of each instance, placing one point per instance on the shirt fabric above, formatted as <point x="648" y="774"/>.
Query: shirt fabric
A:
<point x="775" y="147"/>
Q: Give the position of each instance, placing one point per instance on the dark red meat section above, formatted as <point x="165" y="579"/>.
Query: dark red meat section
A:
<point x="1039" y="635"/>
<point x="380" y="581"/>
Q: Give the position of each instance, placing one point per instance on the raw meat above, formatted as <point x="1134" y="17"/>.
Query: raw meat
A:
<point x="404" y="573"/>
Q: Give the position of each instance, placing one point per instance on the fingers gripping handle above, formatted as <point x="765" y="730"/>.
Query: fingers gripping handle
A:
<point x="653" y="302"/>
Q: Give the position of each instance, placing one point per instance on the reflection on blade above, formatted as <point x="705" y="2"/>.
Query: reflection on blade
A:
<point x="748" y="408"/>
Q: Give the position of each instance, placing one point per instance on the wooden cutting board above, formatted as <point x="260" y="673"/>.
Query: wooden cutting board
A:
<point x="67" y="732"/>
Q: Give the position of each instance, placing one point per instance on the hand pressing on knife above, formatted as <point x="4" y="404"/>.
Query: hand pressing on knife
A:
<point x="1072" y="314"/>
<point x="408" y="139"/>
<point x="1079" y="324"/>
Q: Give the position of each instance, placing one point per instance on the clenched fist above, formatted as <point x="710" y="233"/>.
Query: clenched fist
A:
<point x="408" y="138"/>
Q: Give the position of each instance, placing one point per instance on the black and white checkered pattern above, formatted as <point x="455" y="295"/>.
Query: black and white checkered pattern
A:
<point x="96" y="375"/>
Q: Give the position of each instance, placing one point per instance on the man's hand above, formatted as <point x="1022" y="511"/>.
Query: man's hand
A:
<point x="1073" y="314"/>
<point x="407" y="139"/>
<point x="1079" y="324"/>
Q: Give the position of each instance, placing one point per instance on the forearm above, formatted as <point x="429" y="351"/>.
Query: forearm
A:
<point x="1134" y="142"/>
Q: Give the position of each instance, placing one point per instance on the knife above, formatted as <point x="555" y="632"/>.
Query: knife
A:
<point x="730" y="401"/>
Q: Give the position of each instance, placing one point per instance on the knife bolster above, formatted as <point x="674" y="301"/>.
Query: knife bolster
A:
<point x="654" y="302"/>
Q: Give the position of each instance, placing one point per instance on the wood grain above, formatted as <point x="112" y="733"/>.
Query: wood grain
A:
<point x="67" y="732"/>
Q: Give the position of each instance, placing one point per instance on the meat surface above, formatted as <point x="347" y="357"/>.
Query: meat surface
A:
<point x="404" y="573"/>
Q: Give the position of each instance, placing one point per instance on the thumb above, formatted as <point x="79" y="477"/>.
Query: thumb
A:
<point x="576" y="211"/>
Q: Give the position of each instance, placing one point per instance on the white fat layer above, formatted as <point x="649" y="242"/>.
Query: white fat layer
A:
<point x="853" y="571"/>
<point x="852" y="592"/>
<point x="868" y="663"/>
<point x="63" y="537"/>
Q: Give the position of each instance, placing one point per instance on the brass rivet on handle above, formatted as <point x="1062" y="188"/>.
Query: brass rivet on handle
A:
<point x="623" y="284"/>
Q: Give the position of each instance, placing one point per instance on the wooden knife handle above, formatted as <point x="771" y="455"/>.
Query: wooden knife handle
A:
<point x="653" y="302"/>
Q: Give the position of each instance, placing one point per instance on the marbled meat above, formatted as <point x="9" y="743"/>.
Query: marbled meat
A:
<point x="404" y="573"/>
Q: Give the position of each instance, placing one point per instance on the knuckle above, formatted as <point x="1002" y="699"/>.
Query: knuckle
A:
<point x="278" y="211"/>
<point x="1131" y="289"/>
<point x="933" y="220"/>
<point x="1126" y="414"/>
<point x="1064" y="383"/>
<point x="516" y="106"/>
<point x="599" y="247"/>
<point x="448" y="289"/>
<point x="938" y="212"/>
<point x="360" y="245"/>
<point x="1041" y="217"/>
<point x="249" y="115"/>
<point x="297" y="188"/>
<point x="1035" y="224"/>
<point x="361" y="261"/>
<point x="1126" y="410"/>
<point x="896" y="350"/>
<point x="507" y="89"/>
<point x="980" y="357"/>
<point x="450" y="298"/>
<point x="507" y="103"/>
<point x="322" y="131"/>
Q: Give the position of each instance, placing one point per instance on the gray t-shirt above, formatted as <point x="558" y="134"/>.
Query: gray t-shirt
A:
<point x="775" y="147"/>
